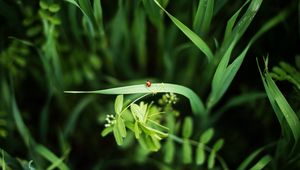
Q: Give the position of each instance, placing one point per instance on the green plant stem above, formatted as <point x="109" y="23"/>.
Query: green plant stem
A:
<point x="207" y="148"/>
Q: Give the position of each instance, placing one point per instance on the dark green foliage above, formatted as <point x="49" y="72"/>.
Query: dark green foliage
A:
<point x="206" y="108"/>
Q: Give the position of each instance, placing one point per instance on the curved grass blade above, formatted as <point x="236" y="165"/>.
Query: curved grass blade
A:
<point x="262" y="163"/>
<point x="284" y="112"/>
<point x="195" y="101"/>
<point x="190" y="34"/>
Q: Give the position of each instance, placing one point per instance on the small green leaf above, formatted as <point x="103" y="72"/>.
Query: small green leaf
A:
<point x="218" y="145"/>
<point x="206" y="136"/>
<point x="119" y="104"/>
<point x="187" y="127"/>
<point x="211" y="159"/>
<point x="117" y="135"/>
<point x="169" y="151"/>
<point x="121" y="126"/>
<point x="137" y="131"/>
<point x="54" y="8"/>
<point x="200" y="154"/>
<point x="186" y="152"/>
<point x="106" y="131"/>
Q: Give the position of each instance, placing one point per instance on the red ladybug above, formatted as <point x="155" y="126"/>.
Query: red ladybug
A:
<point x="148" y="83"/>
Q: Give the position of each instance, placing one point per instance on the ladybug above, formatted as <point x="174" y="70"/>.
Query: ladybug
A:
<point x="148" y="83"/>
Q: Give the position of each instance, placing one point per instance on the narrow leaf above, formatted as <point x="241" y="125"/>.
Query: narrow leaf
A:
<point x="200" y="154"/>
<point x="218" y="145"/>
<point x="121" y="126"/>
<point x="203" y="16"/>
<point x="187" y="129"/>
<point x="196" y="103"/>
<point x="186" y="152"/>
<point x="190" y="34"/>
<point x="106" y="131"/>
<point x="211" y="159"/>
<point x="206" y="136"/>
<point x="119" y="104"/>
<point x="117" y="135"/>
<point x="169" y="151"/>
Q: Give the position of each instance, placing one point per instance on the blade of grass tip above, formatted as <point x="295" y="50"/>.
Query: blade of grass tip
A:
<point x="196" y="103"/>
<point x="231" y="22"/>
<point x="264" y="161"/>
<point x="190" y="34"/>
<point x="203" y="16"/>
<point x="72" y="120"/>
<point x="98" y="13"/>
<point x="242" y="24"/>
<point x="47" y="154"/>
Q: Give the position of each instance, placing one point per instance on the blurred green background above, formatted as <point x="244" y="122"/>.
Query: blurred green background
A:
<point x="50" y="46"/>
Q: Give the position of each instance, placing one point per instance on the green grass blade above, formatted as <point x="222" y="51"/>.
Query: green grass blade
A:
<point x="285" y="114"/>
<point x="88" y="10"/>
<point x="190" y="34"/>
<point x="47" y="154"/>
<point x="195" y="101"/>
<point x="231" y="22"/>
<point x="98" y="13"/>
<point x="203" y="16"/>
<point x="262" y="163"/>
<point x="225" y="73"/>
<point x="242" y="25"/>
<point x="285" y="108"/>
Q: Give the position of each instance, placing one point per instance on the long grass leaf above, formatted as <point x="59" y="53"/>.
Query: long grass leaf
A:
<point x="284" y="106"/>
<point x="196" y="103"/>
<point x="203" y="16"/>
<point x="285" y="114"/>
<point x="190" y="34"/>
<point x="224" y="75"/>
<point x="231" y="22"/>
